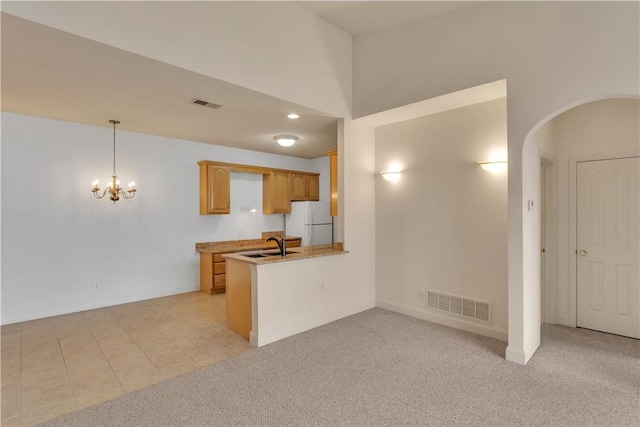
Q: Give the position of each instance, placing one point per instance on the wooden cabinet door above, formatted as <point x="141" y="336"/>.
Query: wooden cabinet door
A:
<point x="313" y="188"/>
<point x="215" y="184"/>
<point x="282" y="192"/>
<point x="298" y="186"/>
<point x="219" y="189"/>
<point x="276" y="192"/>
<point x="305" y="187"/>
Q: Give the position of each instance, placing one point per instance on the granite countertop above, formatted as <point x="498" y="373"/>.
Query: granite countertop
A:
<point x="238" y="245"/>
<point x="292" y="254"/>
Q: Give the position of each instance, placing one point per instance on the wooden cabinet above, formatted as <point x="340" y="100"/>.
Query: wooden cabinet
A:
<point x="276" y="192"/>
<point x="298" y="184"/>
<point x="333" y="181"/>
<point x="239" y="298"/>
<point x="313" y="188"/>
<point x="280" y="187"/>
<point x="305" y="187"/>
<point x="214" y="189"/>
<point x="212" y="273"/>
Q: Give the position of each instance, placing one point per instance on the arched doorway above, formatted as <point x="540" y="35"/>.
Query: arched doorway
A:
<point x="592" y="130"/>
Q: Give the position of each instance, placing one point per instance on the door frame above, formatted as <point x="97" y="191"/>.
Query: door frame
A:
<point x="573" y="222"/>
<point x="548" y="284"/>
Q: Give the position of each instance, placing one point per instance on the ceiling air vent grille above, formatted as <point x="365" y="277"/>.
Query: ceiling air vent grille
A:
<point x="460" y="306"/>
<point x="206" y="103"/>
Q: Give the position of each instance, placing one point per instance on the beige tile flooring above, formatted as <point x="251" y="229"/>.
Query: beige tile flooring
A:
<point x="59" y="364"/>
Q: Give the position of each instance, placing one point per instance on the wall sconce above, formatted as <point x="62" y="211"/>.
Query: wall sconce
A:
<point x="494" y="166"/>
<point x="393" y="176"/>
<point x="249" y="211"/>
<point x="114" y="190"/>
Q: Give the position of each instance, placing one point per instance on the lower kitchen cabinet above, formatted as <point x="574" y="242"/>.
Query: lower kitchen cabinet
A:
<point x="213" y="268"/>
<point x="212" y="273"/>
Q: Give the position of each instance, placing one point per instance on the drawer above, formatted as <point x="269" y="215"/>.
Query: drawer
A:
<point x="219" y="281"/>
<point x="219" y="267"/>
<point x="218" y="258"/>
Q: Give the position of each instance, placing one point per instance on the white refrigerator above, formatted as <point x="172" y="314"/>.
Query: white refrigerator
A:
<point x="312" y="221"/>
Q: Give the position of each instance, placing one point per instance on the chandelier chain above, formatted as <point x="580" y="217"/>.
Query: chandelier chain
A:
<point x="114" y="147"/>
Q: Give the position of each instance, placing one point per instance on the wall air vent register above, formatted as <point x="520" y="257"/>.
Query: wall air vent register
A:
<point x="465" y="307"/>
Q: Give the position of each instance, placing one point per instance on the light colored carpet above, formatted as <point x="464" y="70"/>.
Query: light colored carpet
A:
<point x="383" y="368"/>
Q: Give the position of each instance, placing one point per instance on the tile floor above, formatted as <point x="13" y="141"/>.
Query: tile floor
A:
<point x="60" y="364"/>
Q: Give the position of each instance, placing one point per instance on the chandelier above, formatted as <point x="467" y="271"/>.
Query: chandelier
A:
<point x="114" y="189"/>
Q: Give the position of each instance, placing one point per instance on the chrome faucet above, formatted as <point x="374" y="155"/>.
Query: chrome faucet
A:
<point x="281" y="244"/>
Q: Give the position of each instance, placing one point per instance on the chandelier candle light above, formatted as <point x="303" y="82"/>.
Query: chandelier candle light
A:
<point x="114" y="189"/>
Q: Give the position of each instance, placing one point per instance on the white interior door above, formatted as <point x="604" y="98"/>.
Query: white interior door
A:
<point x="607" y="246"/>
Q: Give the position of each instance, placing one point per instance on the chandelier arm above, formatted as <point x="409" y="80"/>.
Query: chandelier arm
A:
<point x="128" y="194"/>
<point x="95" y="194"/>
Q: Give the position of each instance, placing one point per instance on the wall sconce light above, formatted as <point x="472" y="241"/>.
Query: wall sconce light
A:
<point x="286" y="140"/>
<point x="114" y="190"/>
<point x="249" y="211"/>
<point x="393" y="176"/>
<point x="494" y="166"/>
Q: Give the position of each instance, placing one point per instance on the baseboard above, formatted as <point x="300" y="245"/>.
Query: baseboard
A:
<point x="303" y="325"/>
<point x="563" y="320"/>
<point x="462" y="324"/>
<point x="520" y="356"/>
<point x="26" y="316"/>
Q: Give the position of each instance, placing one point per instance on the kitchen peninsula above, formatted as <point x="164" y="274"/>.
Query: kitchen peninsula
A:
<point x="212" y="265"/>
<point x="273" y="297"/>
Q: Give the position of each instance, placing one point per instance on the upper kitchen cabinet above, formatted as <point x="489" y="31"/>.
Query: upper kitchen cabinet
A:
<point x="214" y="189"/>
<point x="333" y="181"/>
<point x="305" y="187"/>
<point x="276" y="192"/>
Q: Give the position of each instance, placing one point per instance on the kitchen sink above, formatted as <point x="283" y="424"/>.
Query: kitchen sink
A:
<point x="264" y="254"/>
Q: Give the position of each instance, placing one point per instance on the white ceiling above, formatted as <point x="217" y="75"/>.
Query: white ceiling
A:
<point x="53" y="74"/>
<point x="365" y="17"/>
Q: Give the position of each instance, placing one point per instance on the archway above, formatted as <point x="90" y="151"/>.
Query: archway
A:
<point x="540" y="144"/>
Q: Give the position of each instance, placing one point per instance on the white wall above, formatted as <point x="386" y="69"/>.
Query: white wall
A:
<point x="601" y="129"/>
<point x="553" y="55"/>
<point x="356" y="210"/>
<point x="289" y="298"/>
<point x="542" y="148"/>
<point x="57" y="239"/>
<point x="443" y="226"/>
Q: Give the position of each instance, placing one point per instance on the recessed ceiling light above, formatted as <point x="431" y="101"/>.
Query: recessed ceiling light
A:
<point x="293" y="116"/>
<point x="286" y="140"/>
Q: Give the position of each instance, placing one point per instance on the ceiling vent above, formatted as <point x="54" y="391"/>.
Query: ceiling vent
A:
<point x="206" y="103"/>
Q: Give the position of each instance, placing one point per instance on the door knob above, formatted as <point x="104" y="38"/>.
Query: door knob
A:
<point x="583" y="252"/>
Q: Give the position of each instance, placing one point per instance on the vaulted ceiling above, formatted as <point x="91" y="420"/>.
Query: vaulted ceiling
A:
<point x="50" y="73"/>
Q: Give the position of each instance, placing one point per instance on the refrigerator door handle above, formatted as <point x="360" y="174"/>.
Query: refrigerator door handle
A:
<point x="309" y="214"/>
